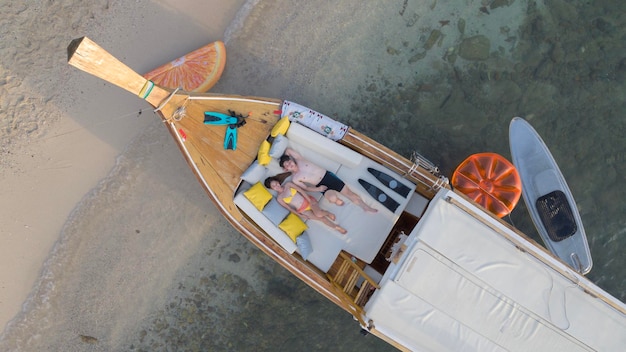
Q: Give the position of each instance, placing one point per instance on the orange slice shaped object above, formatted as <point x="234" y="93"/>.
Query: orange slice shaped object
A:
<point x="197" y="71"/>
<point x="490" y="180"/>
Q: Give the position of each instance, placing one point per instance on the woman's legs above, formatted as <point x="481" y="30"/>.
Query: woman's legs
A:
<point x="356" y="199"/>
<point x="316" y="213"/>
<point x="319" y="212"/>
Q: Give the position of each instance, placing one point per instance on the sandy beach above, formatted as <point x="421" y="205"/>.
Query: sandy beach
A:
<point x="107" y="241"/>
<point x="57" y="144"/>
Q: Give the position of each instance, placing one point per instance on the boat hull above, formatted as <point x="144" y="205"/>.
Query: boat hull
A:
<point x="221" y="173"/>
<point x="548" y="198"/>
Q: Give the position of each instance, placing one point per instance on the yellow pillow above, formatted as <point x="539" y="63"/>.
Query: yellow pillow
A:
<point x="258" y="195"/>
<point x="263" y="156"/>
<point x="293" y="226"/>
<point x="280" y="127"/>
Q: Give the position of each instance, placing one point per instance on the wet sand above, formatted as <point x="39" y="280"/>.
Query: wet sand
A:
<point x="139" y="259"/>
<point x="62" y="130"/>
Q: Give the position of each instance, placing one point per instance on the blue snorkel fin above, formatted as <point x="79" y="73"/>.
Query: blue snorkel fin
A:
<point x="219" y="119"/>
<point x="230" y="139"/>
<point x="232" y="121"/>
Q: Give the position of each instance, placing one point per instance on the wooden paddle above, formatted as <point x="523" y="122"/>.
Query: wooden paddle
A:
<point x="88" y="56"/>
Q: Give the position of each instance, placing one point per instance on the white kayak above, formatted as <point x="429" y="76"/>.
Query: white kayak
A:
<point x="548" y="198"/>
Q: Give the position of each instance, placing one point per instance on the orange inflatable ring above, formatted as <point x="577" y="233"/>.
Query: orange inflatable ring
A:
<point x="490" y="180"/>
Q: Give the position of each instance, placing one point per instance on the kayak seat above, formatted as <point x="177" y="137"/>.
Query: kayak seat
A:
<point x="556" y="215"/>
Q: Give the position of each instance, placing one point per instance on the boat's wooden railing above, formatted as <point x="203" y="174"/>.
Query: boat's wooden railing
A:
<point x="345" y="282"/>
<point x="427" y="181"/>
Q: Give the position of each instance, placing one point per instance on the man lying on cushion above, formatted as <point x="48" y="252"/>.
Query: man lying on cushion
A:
<point x="305" y="174"/>
<point x="297" y="201"/>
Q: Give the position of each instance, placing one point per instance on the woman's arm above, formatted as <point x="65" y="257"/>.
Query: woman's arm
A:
<point x="280" y="200"/>
<point x="306" y="188"/>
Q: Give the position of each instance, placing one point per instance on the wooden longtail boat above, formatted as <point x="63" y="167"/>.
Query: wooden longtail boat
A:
<point x="430" y="271"/>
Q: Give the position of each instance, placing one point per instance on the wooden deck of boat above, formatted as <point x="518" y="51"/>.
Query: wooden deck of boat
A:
<point x="220" y="167"/>
<point x="220" y="170"/>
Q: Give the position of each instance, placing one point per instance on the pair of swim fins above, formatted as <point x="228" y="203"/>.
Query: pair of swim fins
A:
<point x="232" y="121"/>
<point x="380" y="195"/>
<point x="389" y="182"/>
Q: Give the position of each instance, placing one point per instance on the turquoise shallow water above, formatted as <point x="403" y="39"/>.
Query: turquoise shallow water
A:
<point x="394" y="71"/>
<point x="564" y="71"/>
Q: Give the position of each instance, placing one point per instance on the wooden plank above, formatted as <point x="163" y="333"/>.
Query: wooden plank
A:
<point x="361" y="297"/>
<point x="424" y="180"/>
<point x="88" y="56"/>
<point x="205" y="142"/>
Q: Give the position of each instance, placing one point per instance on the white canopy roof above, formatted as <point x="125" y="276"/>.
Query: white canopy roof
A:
<point x="462" y="286"/>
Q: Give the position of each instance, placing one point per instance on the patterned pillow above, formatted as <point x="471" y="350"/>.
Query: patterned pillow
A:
<point x="258" y="195"/>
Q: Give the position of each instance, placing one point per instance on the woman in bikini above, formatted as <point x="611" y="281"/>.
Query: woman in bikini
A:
<point x="306" y="174"/>
<point x="299" y="202"/>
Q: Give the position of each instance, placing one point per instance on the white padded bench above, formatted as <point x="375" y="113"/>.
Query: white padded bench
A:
<point x="366" y="234"/>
